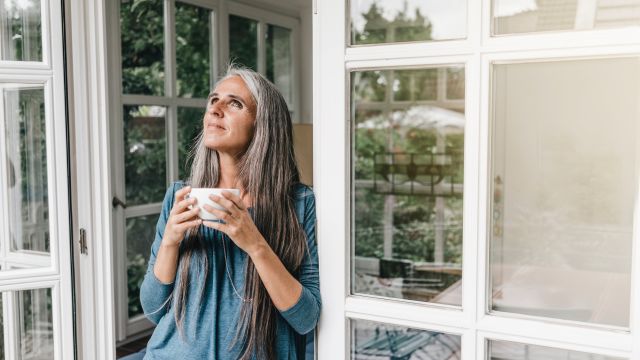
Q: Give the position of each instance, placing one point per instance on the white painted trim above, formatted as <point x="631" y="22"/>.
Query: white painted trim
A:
<point x="162" y="101"/>
<point x="90" y="73"/>
<point x="330" y="142"/>
<point x="264" y="16"/>
<point x="142" y="210"/>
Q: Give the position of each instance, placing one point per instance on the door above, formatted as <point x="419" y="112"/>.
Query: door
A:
<point x="36" y="317"/>
<point x="477" y="176"/>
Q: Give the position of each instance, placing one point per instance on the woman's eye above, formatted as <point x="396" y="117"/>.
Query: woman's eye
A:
<point x="236" y="104"/>
<point x="213" y="100"/>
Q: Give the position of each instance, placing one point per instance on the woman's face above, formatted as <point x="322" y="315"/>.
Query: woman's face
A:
<point x="230" y="117"/>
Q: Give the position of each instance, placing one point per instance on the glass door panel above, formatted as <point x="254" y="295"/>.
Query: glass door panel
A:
<point x="376" y="22"/>
<point x="510" y="17"/>
<point x="243" y="41"/>
<point x="20" y="30"/>
<point x="378" y="341"/>
<point x="564" y="178"/>
<point x="142" y="47"/>
<point x="190" y="122"/>
<point x="193" y="51"/>
<point x="407" y="168"/>
<point x="145" y="152"/>
<point x="503" y="350"/>
<point x="29" y="319"/>
<point x="26" y="241"/>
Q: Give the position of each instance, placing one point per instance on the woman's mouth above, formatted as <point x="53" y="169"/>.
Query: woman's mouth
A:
<point x="216" y="127"/>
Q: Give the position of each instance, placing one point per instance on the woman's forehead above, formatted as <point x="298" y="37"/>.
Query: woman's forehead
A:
<point x="233" y="86"/>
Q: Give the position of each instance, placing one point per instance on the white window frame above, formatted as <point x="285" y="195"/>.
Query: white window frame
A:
<point x="265" y="18"/>
<point x="333" y="61"/>
<point x="53" y="271"/>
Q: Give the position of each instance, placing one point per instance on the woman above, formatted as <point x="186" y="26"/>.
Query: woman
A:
<point x="246" y="287"/>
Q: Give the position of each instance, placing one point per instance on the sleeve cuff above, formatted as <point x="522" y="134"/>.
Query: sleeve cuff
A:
<point x="302" y="316"/>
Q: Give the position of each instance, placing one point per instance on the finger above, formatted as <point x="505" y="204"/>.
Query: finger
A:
<point x="220" y="214"/>
<point x="184" y="204"/>
<point x="225" y="203"/>
<point x="237" y="200"/>
<point x="189" y="224"/>
<point x="187" y="215"/>
<point x="180" y="194"/>
<point x="216" y="225"/>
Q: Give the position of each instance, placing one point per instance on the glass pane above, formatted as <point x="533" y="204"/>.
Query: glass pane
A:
<point x="407" y="186"/>
<point x="20" y="30"/>
<point x="557" y="15"/>
<point x="26" y="169"/>
<point x="377" y="341"/>
<point x="140" y="233"/>
<point x="243" y="41"/>
<point x="193" y="49"/>
<point x="142" y="36"/>
<point x="189" y="127"/>
<point x="279" y="67"/>
<point x="388" y="21"/>
<point x="34" y="328"/>
<point x="503" y="350"/>
<point x="144" y="154"/>
<point x="565" y="174"/>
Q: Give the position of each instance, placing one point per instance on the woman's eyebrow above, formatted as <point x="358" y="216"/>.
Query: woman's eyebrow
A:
<point x="236" y="97"/>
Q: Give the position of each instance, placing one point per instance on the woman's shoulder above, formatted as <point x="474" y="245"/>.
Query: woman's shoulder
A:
<point x="302" y="191"/>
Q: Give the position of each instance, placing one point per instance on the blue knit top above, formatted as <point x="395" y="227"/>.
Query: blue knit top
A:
<point x="210" y="322"/>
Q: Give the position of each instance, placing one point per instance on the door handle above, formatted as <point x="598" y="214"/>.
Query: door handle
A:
<point x="117" y="202"/>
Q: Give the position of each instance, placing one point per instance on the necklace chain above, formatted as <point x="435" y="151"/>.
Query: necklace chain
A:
<point x="226" y="266"/>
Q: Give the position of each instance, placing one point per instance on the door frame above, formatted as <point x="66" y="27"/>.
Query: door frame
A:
<point x="56" y="273"/>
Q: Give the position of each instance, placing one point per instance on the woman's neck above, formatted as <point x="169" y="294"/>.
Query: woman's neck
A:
<point x="228" y="171"/>
<point x="229" y="176"/>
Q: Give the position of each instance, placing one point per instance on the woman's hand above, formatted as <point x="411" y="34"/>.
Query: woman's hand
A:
<point x="181" y="218"/>
<point x="238" y="224"/>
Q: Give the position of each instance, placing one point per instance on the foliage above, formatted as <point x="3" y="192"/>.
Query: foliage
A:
<point x="380" y="29"/>
<point x="243" y="45"/>
<point x="193" y="64"/>
<point x="142" y="47"/>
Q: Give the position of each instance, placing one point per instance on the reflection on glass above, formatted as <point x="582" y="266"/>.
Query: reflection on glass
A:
<point x="407" y="185"/>
<point x="560" y="15"/>
<point x="193" y="48"/>
<point x="372" y="340"/>
<point x="144" y="154"/>
<point x="34" y="317"/>
<point x="375" y="22"/>
<point x="415" y="85"/>
<point x="279" y="67"/>
<point x="243" y="41"/>
<point x="20" y="30"/>
<point x="142" y="41"/>
<point x="140" y="233"/>
<point x="25" y="159"/>
<point x="189" y="127"/>
<point x="563" y="199"/>
<point x="501" y="350"/>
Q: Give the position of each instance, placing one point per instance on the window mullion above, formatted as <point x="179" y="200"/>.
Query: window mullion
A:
<point x="12" y="328"/>
<point x="262" y="48"/>
<point x="171" y="90"/>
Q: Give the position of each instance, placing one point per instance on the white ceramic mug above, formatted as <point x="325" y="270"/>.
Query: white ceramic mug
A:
<point x="202" y="197"/>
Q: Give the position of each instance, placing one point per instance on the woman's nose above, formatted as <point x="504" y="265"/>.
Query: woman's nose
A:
<point x="215" y="109"/>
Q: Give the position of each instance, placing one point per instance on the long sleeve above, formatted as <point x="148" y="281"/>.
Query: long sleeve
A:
<point x="154" y="294"/>
<point x="303" y="316"/>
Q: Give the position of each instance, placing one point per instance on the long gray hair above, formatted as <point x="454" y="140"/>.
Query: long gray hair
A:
<point x="268" y="172"/>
